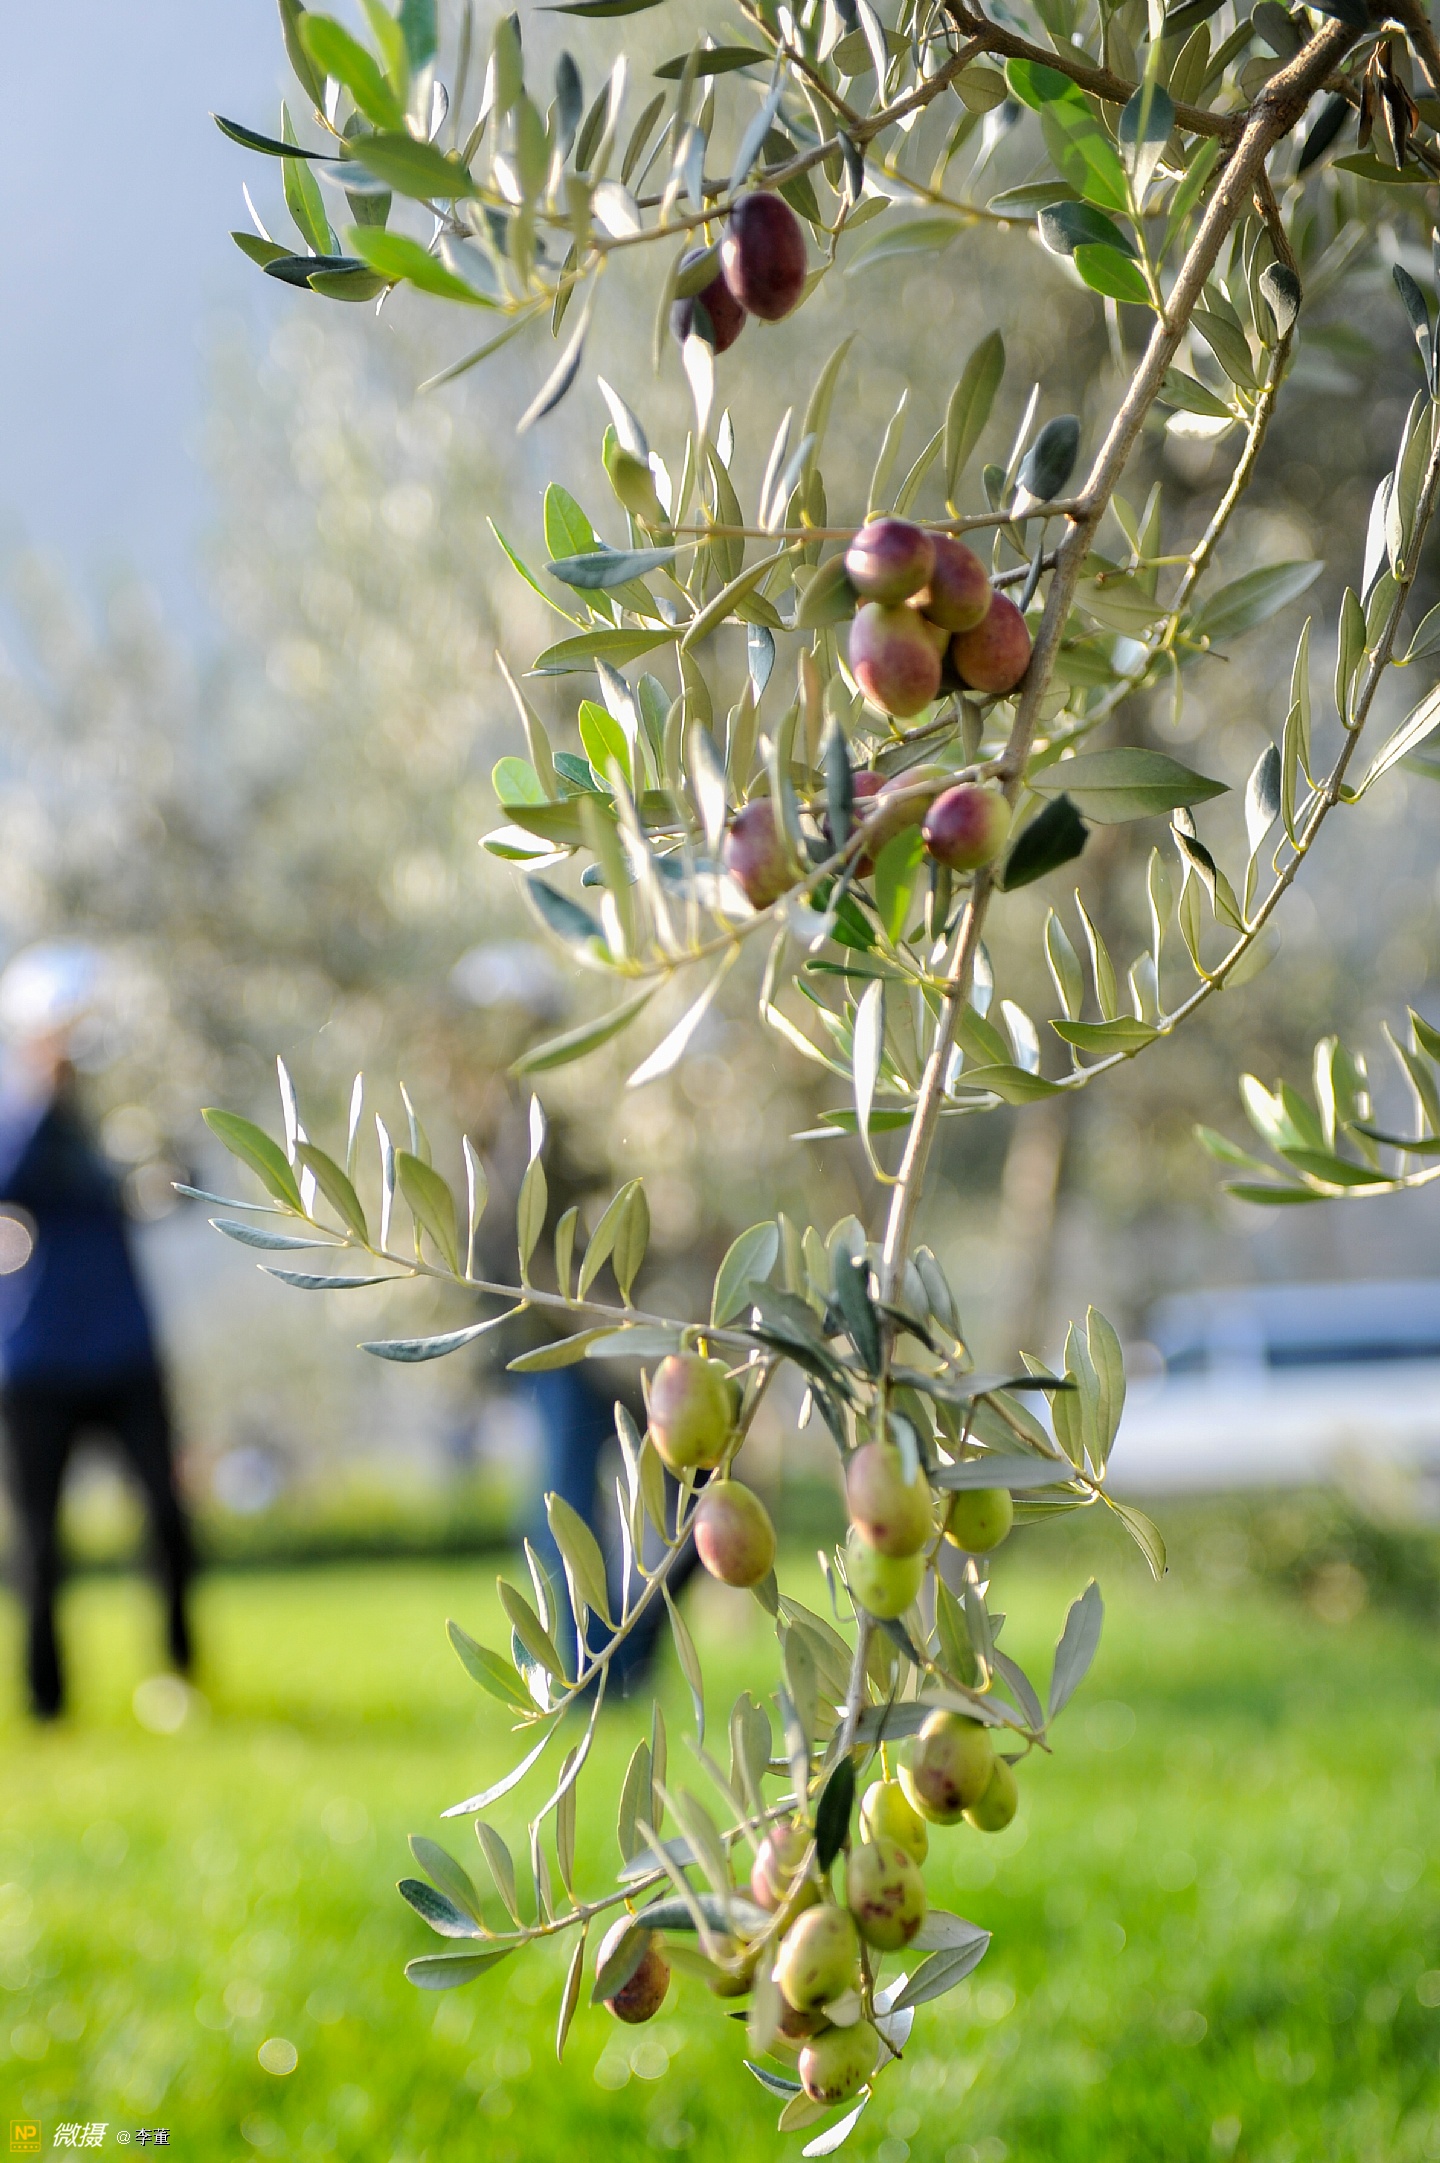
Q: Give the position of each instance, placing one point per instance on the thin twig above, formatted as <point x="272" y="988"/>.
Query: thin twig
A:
<point x="1274" y="113"/>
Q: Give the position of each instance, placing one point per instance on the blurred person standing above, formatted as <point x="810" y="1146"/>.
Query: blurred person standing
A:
<point x="77" y="1350"/>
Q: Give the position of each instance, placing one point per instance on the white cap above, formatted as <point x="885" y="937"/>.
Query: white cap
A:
<point x="511" y="972"/>
<point x="48" y="987"/>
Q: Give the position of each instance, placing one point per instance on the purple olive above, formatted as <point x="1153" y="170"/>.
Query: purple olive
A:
<point x="754" y="854"/>
<point x="889" y="559"/>
<point x="726" y="316"/>
<point x="762" y="255"/>
<point x="893" y="660"/>
<point x="995" y="655"/>
<point x="958" y="595"/>
<point x="966" y="827"/>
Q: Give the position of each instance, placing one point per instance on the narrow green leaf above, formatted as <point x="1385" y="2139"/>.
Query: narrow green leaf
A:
<point x="335" y="1187"/>
<point x="832" y="1815"/>
<point x="1079" y="1641"/>
<point x="897" y="871"/>
<point x="1252" y="599"/>
<point x="534" y="1200"/>
<point x="689" y="1661"/>
<point x="570" y="1996"/>
<point x="1128" y="783"/>
<point x="1064" y="965"/>
<point x="451" y="1878"/>
<point x="1056" y="836"/>
<point x="414" y="1351"/>
<point x="253" y="1146"/>
<point x="751" y="1257"/>
<point x="600" y="568"/>
<point x="303" y="199"/>
<point x="488" y="1669"/>
<point x="444" y="1915"/>
<point x="604" y="1236"/>
<point x="530" y="1630"/>
<point x="1145" y="1535"/>
<point x="914" y="236"/>
<point x="868" y="1048"/>
<point x="969" y="407"/>
<point x="1105" y="270"/>
<point x="412" y="168"/>
<point x="941" y="1972"/>
<point x="632" y="1237"/>
<point x="616" y="647"/>
<point x="396" y="255"/>
<point x="1108" y="1364"/>
<point x="447" y="1971"/>
<point x="1415" y="730"/>
<point x="576" y="1043"/>
<point x="580" y="1552"/>
<point x="1124" y="1035"/>
<point x="333" y="51"/>
<point x="432" y="1205"/>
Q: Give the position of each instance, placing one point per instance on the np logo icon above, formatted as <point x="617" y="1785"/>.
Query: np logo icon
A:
<point x="24" y="2136"/>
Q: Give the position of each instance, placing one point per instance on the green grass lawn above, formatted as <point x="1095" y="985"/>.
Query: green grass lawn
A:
<point x="1217" y="1917"/>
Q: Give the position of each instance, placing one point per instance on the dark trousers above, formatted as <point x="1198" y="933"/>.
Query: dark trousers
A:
<point x="577" y="1424"/>
<point x="42" y="1422"/>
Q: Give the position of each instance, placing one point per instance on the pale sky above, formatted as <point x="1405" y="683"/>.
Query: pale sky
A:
<point x="118" y="197"/>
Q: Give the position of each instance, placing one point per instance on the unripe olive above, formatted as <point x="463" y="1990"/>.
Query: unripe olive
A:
<point x="889" y="559"/>
<point x="893" y="659"/>
<point x="949" y="1767"/>
<point x="885" y="1585"/>
<point x="734" y="1979"/>
<point x="690" y="1410"/>
<point x="762" y="256"/>
<point x="817" y="1958"/>
<point x="753" y="852"/>
<point x="795" y="2026"/>
<point x="966" y="827"/>
<point x="958" y="594"/>
<point x="642" y="1996"/>
<point x="838" y="2062"/>
<point x="725" y="315"/>
<point x="780" y="1855"/>
<point x="995" y="655"/>
<point x="886" y="1813"/>
<point x="980" y="1518"/>
<point x="885" y="1893"/>
<point x="892" y="1513"/>
<point x="999" y="1802"/>
<point x="734" y="1537"/>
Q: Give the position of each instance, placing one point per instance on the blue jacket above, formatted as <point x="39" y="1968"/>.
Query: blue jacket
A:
<point x="74" y="1313"/>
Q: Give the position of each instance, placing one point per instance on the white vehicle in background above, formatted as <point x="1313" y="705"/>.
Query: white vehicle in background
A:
<point x="1283" y="1385"/>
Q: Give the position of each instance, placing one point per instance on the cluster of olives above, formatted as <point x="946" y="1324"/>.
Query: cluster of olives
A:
<point x="963" y="824"/>
<point x="892" y="1525"/>
<point x="693" y="1405"/>
<point x="929" y="618"/>
<point x="762" y="272"/>
<point x="822" y="1947"/>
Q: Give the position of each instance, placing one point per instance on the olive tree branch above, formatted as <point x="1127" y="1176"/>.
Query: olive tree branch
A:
<point x="1099" y="82"/>
<point x="1326" y="797"/>
<point x="1274" y="113"/>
